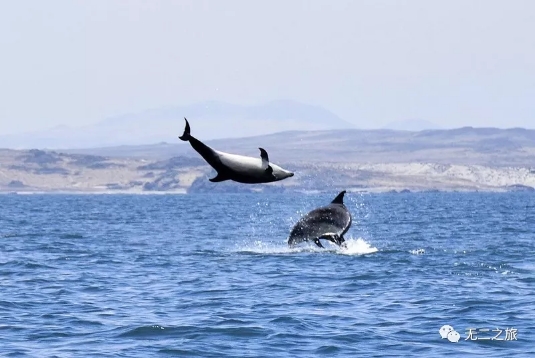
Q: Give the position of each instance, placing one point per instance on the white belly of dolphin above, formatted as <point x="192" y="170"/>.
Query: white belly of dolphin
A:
<point x="244" y="165"/>
<point x="239" y="162"/>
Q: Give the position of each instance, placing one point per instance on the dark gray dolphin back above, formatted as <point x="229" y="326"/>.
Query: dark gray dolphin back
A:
<point x="332" y="219"/>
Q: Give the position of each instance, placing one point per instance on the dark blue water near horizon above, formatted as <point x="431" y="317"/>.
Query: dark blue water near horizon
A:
<point x="212" y="276"/>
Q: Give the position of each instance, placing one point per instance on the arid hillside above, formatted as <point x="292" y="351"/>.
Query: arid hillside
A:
<point x="465" y="159"/>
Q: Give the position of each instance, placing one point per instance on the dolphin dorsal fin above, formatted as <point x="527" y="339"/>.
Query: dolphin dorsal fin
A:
<point x="339" y="198"/>
<point x="265" y="158"/>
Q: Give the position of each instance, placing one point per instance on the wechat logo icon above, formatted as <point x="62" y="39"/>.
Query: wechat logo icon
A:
<point x="448" y="332"/>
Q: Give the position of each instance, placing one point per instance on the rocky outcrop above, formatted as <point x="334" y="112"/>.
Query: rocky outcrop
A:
<point x="165" y="182"/>
<point x="40" y="157"/>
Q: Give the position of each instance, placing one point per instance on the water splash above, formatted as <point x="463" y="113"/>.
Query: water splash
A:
<point x="352" y="247"/>
<point x="272" y="248"/>
<point x="357" y="247"/>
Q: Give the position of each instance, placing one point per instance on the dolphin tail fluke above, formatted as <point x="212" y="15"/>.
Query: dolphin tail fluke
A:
<point x="185" y="136"/>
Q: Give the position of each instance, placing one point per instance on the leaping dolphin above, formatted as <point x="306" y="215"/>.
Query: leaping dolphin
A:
<point x="235" y="167"/>
<point x="329" y="222"/>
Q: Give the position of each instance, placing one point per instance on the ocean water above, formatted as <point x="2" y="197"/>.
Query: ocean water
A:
<point x="212" y="276"/>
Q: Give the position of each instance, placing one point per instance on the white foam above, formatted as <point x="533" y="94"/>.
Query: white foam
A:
<point x="352" y="247"/>
<point x="357" y="247"/>
<point x="271" y="248"/>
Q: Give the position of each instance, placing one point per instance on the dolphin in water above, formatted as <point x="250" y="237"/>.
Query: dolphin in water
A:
<point x="329" y="222"/>
<point x="239" y="168"/>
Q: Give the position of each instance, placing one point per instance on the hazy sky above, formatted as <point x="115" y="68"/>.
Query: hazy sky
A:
<point x="454" y="63"/>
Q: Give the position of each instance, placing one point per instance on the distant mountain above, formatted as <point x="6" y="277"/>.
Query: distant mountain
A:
<point x="209" y="120"/>
<point x="413" y="125"/>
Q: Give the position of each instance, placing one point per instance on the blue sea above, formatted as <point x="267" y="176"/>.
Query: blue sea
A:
<point x="212" y="276"/>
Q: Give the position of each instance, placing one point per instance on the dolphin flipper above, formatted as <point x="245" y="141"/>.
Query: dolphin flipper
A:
<point x="219" y="177"/>
<point x="318" y="243"/>
<point x="335" y="238"/>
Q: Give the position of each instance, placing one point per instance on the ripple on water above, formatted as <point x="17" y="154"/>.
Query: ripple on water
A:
<point x="201" y="275"/>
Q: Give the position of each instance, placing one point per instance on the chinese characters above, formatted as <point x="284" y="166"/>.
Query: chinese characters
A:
<point x="473" y="334"/>
<point x="479" y="334"/>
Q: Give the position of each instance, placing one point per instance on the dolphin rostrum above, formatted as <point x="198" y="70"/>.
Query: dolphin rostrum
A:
<point x="329" y="222"/>
<point x="235" y="167"/>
